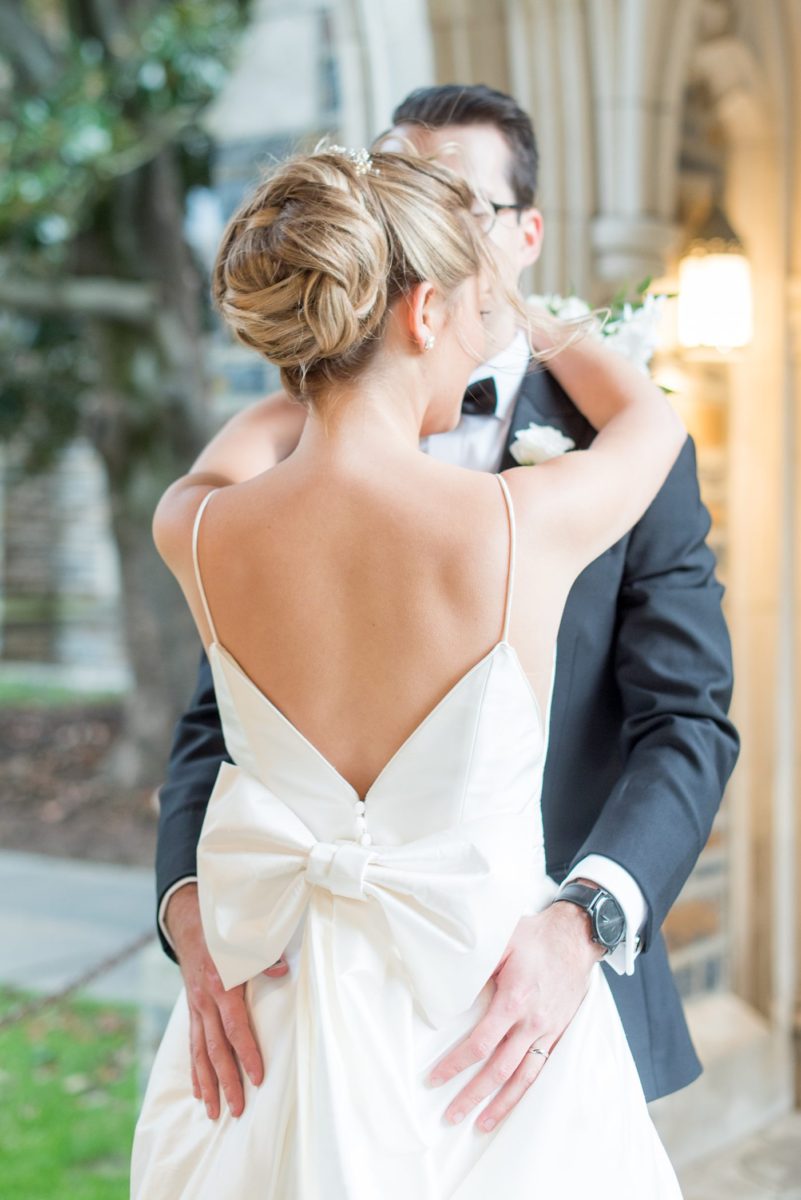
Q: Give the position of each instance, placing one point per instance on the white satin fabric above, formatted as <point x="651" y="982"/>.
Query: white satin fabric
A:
<point x="393" y="912"/>
<point x="390" y="947"/>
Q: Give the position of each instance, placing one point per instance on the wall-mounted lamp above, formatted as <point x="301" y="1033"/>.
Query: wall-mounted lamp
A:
<point x="715" y="301"/>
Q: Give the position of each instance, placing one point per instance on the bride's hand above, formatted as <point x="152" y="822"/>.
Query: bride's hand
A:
<point x="541" y="981"/>
<point x="219" y="1024"/>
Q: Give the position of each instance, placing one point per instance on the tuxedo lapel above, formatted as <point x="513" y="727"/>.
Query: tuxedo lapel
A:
<point x="543" y="401"/>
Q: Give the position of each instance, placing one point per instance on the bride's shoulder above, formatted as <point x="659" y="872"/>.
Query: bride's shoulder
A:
<point x="249" y="445"/>
<point x="535" y="489"/>
<point x="553" y="503"/>
<point x="177" y="518"/>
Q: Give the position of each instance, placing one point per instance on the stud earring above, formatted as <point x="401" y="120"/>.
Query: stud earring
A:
<point x="428" y="344"/>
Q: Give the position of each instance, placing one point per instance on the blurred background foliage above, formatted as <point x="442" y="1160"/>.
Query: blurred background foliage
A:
<point x="102" y="302"/>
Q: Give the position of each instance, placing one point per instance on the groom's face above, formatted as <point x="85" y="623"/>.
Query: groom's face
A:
<point x="482" y="155"/>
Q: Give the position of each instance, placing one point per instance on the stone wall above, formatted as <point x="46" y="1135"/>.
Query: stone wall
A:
<point x="59" y="571"/>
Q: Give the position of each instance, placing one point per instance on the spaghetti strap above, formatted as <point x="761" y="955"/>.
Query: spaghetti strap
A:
<point x="201" y="589"/>
<point x="512" y="540"/>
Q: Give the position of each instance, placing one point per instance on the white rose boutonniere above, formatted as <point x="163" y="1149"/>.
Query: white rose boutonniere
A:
<point x="538" y="443"/>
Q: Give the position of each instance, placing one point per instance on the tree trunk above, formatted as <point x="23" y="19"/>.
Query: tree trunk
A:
<point x="162" y="640"/>
<point x="147" y="420"/>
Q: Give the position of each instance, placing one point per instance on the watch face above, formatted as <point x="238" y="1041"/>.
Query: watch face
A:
<point x="610" y="923"/>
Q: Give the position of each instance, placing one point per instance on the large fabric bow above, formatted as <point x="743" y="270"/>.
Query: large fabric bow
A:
<point x="450" y="900"/>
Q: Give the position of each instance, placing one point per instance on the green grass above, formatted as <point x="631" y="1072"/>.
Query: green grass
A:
<point x="68" y="1102"/>
<point x="14" y="694"/>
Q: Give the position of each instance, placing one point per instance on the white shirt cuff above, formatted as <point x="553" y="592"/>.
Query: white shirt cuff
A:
<point x="179" y="883"/>
<point x="625" y="889"/>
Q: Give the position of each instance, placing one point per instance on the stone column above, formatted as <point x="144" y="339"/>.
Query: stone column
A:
<point x="470" y="41"/>
<point x="630" y="249"/>
<point x="385" y="50"/>
<point x="793" y="625"/>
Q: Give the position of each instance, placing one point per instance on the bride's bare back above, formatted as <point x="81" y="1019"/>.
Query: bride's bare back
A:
<point x="357" y="580"/>
<point x="355" y="601"/>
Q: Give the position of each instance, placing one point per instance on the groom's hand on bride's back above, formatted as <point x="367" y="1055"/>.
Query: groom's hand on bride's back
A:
<point x="540" y="983"/>
<point x="220" y="1033"/>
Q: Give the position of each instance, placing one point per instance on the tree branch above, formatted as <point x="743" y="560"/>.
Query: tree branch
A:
<point x="152" y="140"/>
<point x="114" y="299"/>
<point x="26" y="49"/>
<point x="100" y="19"/>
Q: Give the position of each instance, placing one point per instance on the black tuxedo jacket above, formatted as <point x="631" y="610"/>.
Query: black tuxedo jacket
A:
<point x="640" y="745"/>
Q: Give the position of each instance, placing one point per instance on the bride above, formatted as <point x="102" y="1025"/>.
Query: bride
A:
<point x="381" y="627"/>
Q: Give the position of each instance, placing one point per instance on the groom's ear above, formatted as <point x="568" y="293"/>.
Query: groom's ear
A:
<point x="378" y="141"/>
<point x="532" y="231"/>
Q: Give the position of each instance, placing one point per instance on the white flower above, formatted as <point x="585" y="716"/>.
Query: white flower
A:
<point x="632" y="330"/>
<point x="635" y="337"/>
<point x="573" y="307"/>
<point x="538" y="443"/>
<point x="566" y="308"/>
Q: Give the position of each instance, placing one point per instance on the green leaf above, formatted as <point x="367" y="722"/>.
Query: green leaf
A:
<point x="619" y="299"/>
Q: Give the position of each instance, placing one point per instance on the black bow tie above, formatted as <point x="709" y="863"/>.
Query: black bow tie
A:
<point x="481" y="398"/>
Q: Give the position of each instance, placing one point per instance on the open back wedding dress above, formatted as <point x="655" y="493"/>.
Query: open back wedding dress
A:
<point x="393" y="911"/>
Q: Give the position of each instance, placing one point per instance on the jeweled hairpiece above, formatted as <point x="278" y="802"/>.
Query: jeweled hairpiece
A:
<point x="360" y="158"/>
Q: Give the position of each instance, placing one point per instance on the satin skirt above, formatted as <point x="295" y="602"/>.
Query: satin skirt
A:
<point x="344" y="1111"/>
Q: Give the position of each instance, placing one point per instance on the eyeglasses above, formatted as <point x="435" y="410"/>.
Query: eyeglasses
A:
<point x="487" y="217"/>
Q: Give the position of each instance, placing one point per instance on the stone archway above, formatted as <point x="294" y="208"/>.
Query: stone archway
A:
<point x="385" y="50"/>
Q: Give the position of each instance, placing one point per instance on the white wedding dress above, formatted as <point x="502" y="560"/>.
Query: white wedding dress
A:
<point x="393" y="911"/>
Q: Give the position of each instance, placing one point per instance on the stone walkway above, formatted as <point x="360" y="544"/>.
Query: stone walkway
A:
<point x="59" y="917"/>
<point x="765" y="1166"/>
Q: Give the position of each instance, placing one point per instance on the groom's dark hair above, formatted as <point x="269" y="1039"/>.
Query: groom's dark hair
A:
<point x="477" y="104"/>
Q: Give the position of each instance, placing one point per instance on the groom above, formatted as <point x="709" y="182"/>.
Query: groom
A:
<point x="640" y="744"/>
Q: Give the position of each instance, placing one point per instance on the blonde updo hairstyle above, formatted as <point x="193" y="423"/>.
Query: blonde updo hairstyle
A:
<point x="311" y="262"/>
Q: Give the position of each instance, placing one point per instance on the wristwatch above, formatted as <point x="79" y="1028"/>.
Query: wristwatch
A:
<point x="606" y="916"/>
